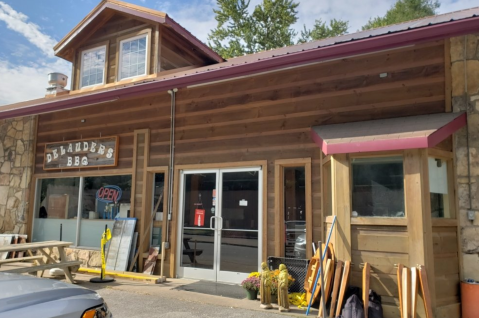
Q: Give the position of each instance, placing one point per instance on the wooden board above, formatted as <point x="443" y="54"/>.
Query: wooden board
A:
<point x="413" y="291"/>
<point x="324" y="268"/>
<point x="366" y="277"/>
<point x="151" y="260"/>
<point x="120" y="244"/>
<point x="337" y="282"/>
<point x="406" y="293"/>
<point x="344" y="286"/>
<point x="58" y="206"/>
<point x="328" y="277"/>
<point x="426" y="295"/>
<point x="399" y="279"/>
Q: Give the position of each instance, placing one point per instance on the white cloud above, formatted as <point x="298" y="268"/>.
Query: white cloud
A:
<point x="25" y="82"/>
<point x="18" y="22"/>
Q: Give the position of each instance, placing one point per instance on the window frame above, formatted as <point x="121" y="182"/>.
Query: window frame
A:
<point x="448" y="157"/>
<point x="279" y="203"/>
<point x="130" y="37"/>
<point x="90" y="49"/>
<point x="376" y="155"/>
<point x="35" y="196"/>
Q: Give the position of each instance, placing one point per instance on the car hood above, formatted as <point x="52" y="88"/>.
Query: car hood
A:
<point x="17" y="291"/>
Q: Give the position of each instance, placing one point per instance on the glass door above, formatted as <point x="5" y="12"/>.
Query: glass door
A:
<point x="220" y="218"/>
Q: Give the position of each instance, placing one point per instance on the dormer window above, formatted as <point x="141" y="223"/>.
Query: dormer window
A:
<point x="133" y="57"/>
<point x="93" y="66"/>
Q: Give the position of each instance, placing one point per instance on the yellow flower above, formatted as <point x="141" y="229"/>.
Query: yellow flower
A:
<point x="255" y="274"/>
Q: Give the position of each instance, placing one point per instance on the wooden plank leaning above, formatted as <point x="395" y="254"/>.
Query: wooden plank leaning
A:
<point x="426" y="295"/>
<point x="399" y="278"/>
<point x="324" y="254"/>
<point x="366" y="278"/>
<point x="344" y="285"/>
<point x="406" y="293"/>
<point x="413" y="291"/>
<point x="337" y="282"/>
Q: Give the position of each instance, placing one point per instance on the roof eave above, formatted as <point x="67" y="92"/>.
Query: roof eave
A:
<point x="429" y="33"/>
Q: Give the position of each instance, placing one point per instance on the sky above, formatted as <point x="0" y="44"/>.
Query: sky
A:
<point x="30" y="28"/>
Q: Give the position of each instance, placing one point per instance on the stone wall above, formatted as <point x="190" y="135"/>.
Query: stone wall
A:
<point x="465" y="97"/>
<point x="16" y="167"/>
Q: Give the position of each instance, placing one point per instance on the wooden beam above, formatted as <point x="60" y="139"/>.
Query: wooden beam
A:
<point x="341" y="193"/>
<point x="447" y="75"/>
<point x="418" y="213"/>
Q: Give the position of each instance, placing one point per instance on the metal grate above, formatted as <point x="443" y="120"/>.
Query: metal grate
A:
<point x="297" y="268"/>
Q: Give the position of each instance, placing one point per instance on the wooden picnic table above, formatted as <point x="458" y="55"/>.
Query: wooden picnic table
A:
<point x="43" y="259"/>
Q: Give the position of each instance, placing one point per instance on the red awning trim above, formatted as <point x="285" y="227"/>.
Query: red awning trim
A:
<point x="389" y="142"/>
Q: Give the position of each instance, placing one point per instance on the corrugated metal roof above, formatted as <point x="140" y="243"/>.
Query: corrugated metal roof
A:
<point x="390" y="29"/>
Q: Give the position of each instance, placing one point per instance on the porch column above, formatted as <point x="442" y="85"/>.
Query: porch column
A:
<point x="341" y="205"/>
<point x="418" y="213"/>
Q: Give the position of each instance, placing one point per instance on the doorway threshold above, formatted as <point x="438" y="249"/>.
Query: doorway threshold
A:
<point x="214" y="288"/>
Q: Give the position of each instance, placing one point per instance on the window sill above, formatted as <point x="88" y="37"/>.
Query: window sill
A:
<point x="444" y="222"/>
<point x="379" y="221"/>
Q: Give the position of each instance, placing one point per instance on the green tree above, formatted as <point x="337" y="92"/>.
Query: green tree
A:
<point x="238" y="32"/>
<point x="322" y="30"/>
<point x="404" y="10"/>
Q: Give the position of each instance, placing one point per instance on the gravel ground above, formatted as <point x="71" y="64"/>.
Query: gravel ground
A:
<point x="125" y="304"/>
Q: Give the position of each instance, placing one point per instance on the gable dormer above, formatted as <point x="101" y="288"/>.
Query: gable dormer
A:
<point x="118" y="42"/>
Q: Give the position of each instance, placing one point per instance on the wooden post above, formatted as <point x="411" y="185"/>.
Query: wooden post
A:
<point x="341" y="194"/>
<point x="418" y="213"/>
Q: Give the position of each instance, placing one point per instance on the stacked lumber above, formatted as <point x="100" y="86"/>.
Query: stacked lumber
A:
<point x="408" y="280"/>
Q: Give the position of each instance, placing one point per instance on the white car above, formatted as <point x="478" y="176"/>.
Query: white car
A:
<point x="28" y="296"/>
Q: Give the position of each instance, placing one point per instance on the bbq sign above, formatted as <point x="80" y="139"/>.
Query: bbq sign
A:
<point x="85" y="153"/>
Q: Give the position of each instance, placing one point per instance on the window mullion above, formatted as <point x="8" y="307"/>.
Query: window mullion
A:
<point x="80" y="207"/>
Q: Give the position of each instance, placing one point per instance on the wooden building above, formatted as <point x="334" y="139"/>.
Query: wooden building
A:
<point x="251" y="157"/>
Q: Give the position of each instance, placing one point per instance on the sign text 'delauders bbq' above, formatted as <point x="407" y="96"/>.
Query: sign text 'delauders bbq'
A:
<point x="85" y="153"/>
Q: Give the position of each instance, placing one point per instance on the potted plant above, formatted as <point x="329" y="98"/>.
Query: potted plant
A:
<point x="251" y="285"/>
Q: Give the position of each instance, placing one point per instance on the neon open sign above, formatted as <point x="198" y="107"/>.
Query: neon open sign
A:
<point x="109" y="194"/>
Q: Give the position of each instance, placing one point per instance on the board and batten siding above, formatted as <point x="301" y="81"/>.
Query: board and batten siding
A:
<point x="263" y="117"/>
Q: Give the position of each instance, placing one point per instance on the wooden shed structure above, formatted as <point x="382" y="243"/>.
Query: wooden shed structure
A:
<point x="247" y="158"/>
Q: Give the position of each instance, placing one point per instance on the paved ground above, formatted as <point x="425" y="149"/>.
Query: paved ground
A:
<point x="138" y="299"/>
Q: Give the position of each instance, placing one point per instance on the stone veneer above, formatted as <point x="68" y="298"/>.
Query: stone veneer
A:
<point x="465" y="97"/>
<point x="16" y="168"/>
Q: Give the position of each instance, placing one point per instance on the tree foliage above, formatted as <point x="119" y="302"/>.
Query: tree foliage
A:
<point x="322" y="30"/>
<point x="239" y="32"/>
<point x="404" y="10"/>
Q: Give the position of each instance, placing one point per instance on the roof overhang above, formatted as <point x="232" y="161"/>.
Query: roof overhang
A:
<point x="140" y="12"/>
<point x="424" y="131"/>
<point x="228" y="70"/>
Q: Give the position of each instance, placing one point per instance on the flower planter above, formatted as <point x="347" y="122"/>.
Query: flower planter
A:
<point x="251" y="294"/>
<point x="274" y="298"/>
<point x="469" y="297"/>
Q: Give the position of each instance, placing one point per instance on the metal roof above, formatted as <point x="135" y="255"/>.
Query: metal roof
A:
<point x="399" y="133"/>
<point x="389" y="37"/>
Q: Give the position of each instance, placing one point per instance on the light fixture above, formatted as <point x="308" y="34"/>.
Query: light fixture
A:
<point x="383" y="75"/>
<point x="83" y="120"/>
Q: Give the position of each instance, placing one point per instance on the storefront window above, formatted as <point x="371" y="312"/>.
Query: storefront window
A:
<point x="439" y="188"/>
<point x="295" y="212"/>
<point x="378" y="187"/>
<point x="55" y="218"/>
<point x="102" y="200"/>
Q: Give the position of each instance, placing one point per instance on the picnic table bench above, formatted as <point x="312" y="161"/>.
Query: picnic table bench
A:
<point x="43" y="259"/>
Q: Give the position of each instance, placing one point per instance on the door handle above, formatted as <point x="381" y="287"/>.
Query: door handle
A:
<point x="220" y="223"/>
<point x="211" y="223"/>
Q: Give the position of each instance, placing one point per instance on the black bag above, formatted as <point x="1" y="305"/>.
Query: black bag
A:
<point x="375" y="310"/>
<point x="353" y="308"/>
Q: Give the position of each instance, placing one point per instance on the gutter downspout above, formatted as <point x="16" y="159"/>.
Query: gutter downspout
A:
<point x="172" y="92"/>
<point x="466" y="101"/>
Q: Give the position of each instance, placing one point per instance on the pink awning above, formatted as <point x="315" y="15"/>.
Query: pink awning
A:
<point x="423" y="131"/>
